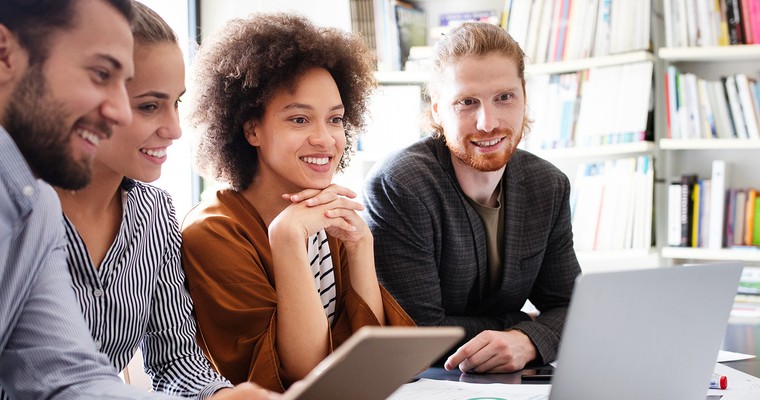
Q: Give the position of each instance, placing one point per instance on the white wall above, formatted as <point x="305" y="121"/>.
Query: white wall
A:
<point x="176" y="174"/>
<point x="334" y="13"/>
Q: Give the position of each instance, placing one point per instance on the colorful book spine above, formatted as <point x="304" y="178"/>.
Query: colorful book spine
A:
<point x="749" y="217"/>
<point x="756" y="218"/>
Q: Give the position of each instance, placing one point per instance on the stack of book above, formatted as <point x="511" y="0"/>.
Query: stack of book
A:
<point x="585" y="109"/>
<point x="711" y="22"/>
<point x="611" y="204"/>
<point x="701" y="109"/>
<point x="707" y="212"/>
<point x="390" y="27"/>
<point x="559" y="30"/>
<point x="747" y="302"/>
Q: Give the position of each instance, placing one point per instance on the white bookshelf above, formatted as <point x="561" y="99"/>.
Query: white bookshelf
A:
<point x="748" y="254"/>
<point x="420" y="77"/>
<point x="402" y="77"/>
<point x="611" y="150"/>
<point x="587" y="63"/>
<point x="710" y="54"/>
<point x="618" y="260"/>
<point x="696" y="155"/>
<point x="709" y="144"/>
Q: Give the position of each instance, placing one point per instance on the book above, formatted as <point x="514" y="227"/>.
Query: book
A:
<point x="719" y="183"/>
<point x="363" y="21"/>
<point x="706" y="37"/>
<point x="669" y="17"/>
<point x="687" y="208"/>
<point x="739" y="220"/>
<point x="412" y="28"/>
<point x="747" y="18"/>
<point x="544" y="31"/>
<point x="756" y="223"/>
<point x="674" y="214"/>
<point x="732" y="94"/>
<point x="708" y="119"/>
<point x="749" y="217"/>
<point x="589" y="27"/>
<point x="705" y="211"/>
<point x="735" y="23"/>
<point x="728" y="237"/>
<point x="754" y="20"/>
<point x="517" y="20"/>
<point x="695" y="207"/>
<point x="531" y="44"/>
<point x="722" y="21"/>
<point x="670" y="102"/>
<point x="724" y="128"/>
<point x="746" y="102"/>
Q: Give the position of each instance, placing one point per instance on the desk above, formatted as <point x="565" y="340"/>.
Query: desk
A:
<point x="741" y="337"/>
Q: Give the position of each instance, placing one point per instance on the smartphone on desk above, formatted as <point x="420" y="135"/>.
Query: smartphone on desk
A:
<point x="537" y="374"/>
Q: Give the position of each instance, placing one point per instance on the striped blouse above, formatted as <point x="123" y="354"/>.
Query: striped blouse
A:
<point x="138" y="297"/>
<point x="321" y="264"/>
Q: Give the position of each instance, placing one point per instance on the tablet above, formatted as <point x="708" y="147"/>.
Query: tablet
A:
<point x="374" y="362"/>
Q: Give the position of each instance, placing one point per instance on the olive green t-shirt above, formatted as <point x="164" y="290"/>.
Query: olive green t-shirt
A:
<point x="493" y="221"/>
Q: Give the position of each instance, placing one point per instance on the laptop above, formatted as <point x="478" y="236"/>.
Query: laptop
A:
<point x="374" y="362"/>
<point x="645" y="334"/>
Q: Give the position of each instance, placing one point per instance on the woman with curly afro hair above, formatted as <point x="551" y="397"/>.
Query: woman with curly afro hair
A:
<point x="280" y="265"/>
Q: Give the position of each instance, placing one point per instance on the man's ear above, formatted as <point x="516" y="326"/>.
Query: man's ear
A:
<point x="13" y="58"/>
<point x="249" y="128"/>
<point x="434" y="112"/>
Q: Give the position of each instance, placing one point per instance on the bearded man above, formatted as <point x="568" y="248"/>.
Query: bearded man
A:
<point x="467" y="227"/>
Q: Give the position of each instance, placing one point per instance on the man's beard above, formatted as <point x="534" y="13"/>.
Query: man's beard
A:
<point x="482" y="162"/>
<point x="36" y="122"/>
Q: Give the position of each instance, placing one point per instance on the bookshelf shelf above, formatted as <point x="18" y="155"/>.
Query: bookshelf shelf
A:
<point x="751" y="254"/>
<point x="709" y="144"/>
<point x="420" y="77"/>
<point x="586" y="63"/>
<point x="401" y="77"/>
<point x="710" y="54"/>
<point x="617" y="260"/>
<point x="641" y="147"/>
<point x="614" y="255"/>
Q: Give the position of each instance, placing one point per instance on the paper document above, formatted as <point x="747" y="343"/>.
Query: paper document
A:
<point x="724" y="356"/>
<point x="452" y="390"/>
<point x="741" y="386"/>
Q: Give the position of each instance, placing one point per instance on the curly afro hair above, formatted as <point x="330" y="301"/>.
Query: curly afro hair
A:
<point x="244" y="65"/>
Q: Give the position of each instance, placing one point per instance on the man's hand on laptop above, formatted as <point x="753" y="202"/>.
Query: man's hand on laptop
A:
<point x="493" y="352"/>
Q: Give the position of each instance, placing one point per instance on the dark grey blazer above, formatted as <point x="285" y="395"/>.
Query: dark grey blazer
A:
<point x="430" y="244"/>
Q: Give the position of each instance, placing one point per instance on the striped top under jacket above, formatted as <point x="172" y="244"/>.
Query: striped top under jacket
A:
<point x="138" y="297"/>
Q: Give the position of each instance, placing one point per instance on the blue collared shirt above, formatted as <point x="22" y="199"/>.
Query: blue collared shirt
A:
<point x="46" y="350"/>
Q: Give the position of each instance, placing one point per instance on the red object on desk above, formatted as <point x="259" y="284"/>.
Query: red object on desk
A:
<point x="718" y="382"/>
